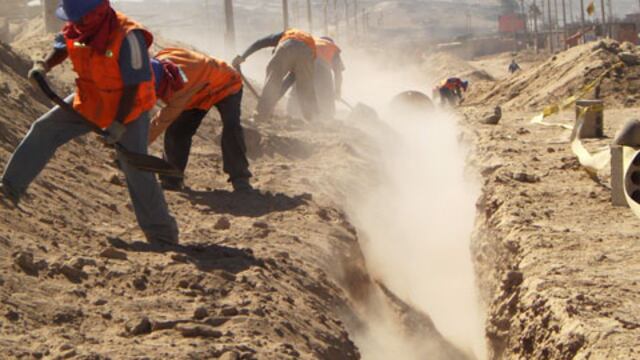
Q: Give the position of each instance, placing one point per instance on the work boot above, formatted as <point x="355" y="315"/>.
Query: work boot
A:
<point x="172" y="184"/>
<point x="7" y="197"/>
<point x="241" y="185"/>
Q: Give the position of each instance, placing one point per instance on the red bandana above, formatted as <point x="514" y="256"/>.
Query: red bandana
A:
<point x="94" y="28"/>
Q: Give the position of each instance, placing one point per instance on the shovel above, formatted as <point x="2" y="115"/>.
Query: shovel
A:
<point x="141" y="162"/>
<point x="247" y="83"/>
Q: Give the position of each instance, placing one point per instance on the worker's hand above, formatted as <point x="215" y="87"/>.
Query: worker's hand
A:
<point x="237" y="61"/>
<point x="115" y="132"/>
<point x="40" y="68"/>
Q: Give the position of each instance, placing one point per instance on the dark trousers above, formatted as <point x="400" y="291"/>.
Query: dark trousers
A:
<point x="448" y="96"/>
<point x="179" y="137"/>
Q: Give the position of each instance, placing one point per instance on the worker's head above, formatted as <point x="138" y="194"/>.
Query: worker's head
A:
<point x="81" y="11"/>
<point x="168" y="77"/>
<point x="465" y="85"/>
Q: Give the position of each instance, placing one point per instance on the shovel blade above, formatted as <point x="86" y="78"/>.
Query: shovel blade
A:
<point x="150" y="163"/>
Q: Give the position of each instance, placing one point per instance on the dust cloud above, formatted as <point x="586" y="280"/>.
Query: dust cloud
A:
<point x="418" y="218"/>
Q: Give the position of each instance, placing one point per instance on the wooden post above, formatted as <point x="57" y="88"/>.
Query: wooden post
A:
<point x="564" y="23"/>
<point x="285" y="14"/>
<point x="346" y="19"/>
<point x="582" y="28"/>
<point x="551" y="47"/>
<point x="230" y="28"/>
<point x="604" y="18"/>
<point x="326" y="17"/>
<point x="355" y="17"/>
<point x="51" y="23"/>
<point x="309" y="17"/>
<point x="535" y="24"/>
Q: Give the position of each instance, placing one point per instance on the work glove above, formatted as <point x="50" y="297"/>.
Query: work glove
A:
<point x="39" y="67"/>
<point x="114" y="133"/>
<point x="237" y="61"/>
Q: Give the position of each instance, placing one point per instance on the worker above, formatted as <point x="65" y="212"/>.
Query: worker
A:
<point x="514" y="67"/>
<point x="451" y="89"/>
<point x="295" y="52"/>
<point x="115" y="91"/>
<point x="190" y="84"/>
<point x="327" y="79"/>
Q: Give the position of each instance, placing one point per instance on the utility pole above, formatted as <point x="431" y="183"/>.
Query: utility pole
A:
<point x="611" y="19"/>
<point x="326" y="17"/>
<point x="230" y="28"/>
<point x="309" y="18"/>
<point x="551" y="47"/>
<point x="582" y="28"/>
<point x="564" y="22"/>
<point x="604" y="18"/>
<point x="51" y="22"/>
<point x="535" y="11"/>
<point x="355" y="17"/>
<point x="347" y="23"/>
<point x="285" y="14"/>
<point x="571" y="18"/>
<point x="336" y="17"/>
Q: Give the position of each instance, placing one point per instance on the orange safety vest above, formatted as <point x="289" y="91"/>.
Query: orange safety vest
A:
<point x="299" y="35"/>
<point x="221" y="79"/>
<point x="451" y="83"/>
<point x="327" y="50"/>
<point x="99" y="84"/>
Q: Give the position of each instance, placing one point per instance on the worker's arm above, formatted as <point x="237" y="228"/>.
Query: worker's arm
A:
<point x="57" y="55"/>
<point x="135" y="68"/>
<point x="268" y="41"/>
<point x="168" y="114"/>
<point x="338" y="68"/>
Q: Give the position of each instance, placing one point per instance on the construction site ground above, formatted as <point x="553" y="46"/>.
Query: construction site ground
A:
<point x="281" y="274"/>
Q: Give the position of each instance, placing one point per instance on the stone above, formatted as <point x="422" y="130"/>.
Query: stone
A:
<point x="629" y="58"/>
<point x="204" y="331"/>
<point x="24" y="260"/>
<point x="260" y="225"/>
<point x="139" y="326"/>
<point x="200" y="313"/>
<point x="223" y="223"/>
<point x="72" y="273"/>
<point x="12" y="315"/>
<point x="140" y="283"/>
<point x="512" y="279"/>
<point x="229" y="311"/>
<point x="526" y="178"/>
<point x="114" y="254"/>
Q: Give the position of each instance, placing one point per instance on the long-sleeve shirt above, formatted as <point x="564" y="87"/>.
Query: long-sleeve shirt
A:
<point x="268" y="41"/>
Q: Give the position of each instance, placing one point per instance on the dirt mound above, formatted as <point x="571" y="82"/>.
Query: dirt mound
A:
<point x="565" y="74"/>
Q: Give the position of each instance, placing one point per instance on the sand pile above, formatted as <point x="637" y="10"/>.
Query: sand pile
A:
<point x="566" y="74"/>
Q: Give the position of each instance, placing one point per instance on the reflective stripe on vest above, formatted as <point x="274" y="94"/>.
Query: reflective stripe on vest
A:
<point x="327" y="50"/>
<point x="299" y="35"/>
<point x="216" y="78"/>
<point x="99" y="85"/>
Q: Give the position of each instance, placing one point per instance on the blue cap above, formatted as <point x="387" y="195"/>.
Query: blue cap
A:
<point x="74" y="10"/>
<point x="158" y="72"/>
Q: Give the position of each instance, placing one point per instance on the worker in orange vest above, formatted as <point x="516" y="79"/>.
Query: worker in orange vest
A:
<point x="295" y="52"/>
<point x="190" y="84"/>
<point x="115" y="91"/>
<point x="451" y="89"/>
<point x="327" y="79"/>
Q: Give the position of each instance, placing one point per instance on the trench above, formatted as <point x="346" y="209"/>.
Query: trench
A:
<point x="413" y="208"/>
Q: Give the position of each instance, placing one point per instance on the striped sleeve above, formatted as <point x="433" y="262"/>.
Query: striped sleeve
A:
<point x="134" y="59"/>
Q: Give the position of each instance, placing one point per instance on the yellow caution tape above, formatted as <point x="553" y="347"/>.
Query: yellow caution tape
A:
<point x="571" y="100"/>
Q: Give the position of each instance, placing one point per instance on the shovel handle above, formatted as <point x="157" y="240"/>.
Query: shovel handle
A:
<point x="247" y="83"/>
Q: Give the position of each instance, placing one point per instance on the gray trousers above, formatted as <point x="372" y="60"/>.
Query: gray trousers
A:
<point x="56" y="128"/>
<point x="295" y="57"/>
<point x="325" y="93"/>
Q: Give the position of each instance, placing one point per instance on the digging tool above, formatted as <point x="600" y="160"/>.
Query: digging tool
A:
<point x="141" y="162"/>
<point x="247" y="83"/>
<point x="360" y="110"/>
